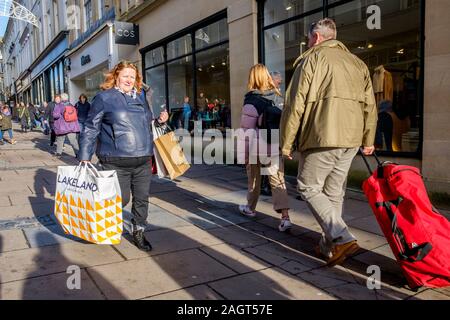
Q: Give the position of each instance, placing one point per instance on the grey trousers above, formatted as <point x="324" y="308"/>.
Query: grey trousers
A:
<point x="322" y="178"/>
<point x="60" y="140"/>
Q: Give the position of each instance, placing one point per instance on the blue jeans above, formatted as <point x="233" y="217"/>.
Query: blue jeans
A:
<point x="186" y="117"/>
<point x="10" y="133"/>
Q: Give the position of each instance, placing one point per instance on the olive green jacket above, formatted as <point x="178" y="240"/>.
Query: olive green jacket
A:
<point x="5" y="122"/>
<point x="330" y="101"/>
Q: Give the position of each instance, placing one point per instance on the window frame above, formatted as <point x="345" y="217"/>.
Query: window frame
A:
<point x="325" y="9"/>
<point x="187" y="31"/>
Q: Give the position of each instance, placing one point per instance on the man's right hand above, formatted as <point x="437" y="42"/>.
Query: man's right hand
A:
<point x="368" y="151"/>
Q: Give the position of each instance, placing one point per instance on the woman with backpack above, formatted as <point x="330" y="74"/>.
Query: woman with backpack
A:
<point x="66" y="125"/>
<point x="259" y="112"/>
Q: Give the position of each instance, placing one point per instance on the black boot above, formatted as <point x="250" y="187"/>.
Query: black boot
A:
<point x="140" y="241"/>
<point x="139" y="237"/>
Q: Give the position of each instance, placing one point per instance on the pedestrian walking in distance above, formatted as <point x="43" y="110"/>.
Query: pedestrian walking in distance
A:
<point x="120" y="124"/>
<point x="330" y="112"/>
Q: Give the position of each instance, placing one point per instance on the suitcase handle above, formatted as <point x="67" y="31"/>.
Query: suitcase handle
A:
<point x="380" y="164"/>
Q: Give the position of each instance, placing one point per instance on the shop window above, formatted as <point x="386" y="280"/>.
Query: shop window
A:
<point x="154" y="57"/>
<point x="173" y="63"/>
<point x="93" y="82"/>
<point x="179" y="47"/>
<point x="180" y="75"/>
<point x="278" y="10"/>
<point x="285" y="43"/>
<point x="211" y="34"/>
<point x="213" y="87"/>
<point x="393" y="57"/>
<point x="392" y="54"/>
<point x="155" y="78"/>
<point x="88" y="14"/>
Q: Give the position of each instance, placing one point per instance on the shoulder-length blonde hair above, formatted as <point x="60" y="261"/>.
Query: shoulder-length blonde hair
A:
<point x="111" y="76"/>
<point x="260" y="79"/>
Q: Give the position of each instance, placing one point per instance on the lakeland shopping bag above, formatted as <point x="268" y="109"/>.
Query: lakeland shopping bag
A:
<point x="168" y="149"/>
<point x="88" y="203"/>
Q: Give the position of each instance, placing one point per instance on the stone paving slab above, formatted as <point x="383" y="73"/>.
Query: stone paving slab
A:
<point x="284" y="253"/>
<point x="26" y="211"/>
<point x="5" y="201"/>
<point x="34" y="262"/>
<point x="201" y="292"/>
<point x="273" y="223"/>
<point x="235" y="258"/>
<point x="158" y="218"/>
<point x="167" y="241"/>
<point x="20" y="199"/>
<point x="430" y="295"/>
<point x="238" y="236"/>
<point x="356" y="209"/>
<point x="268" y="284"/>
<point x="368" y="224"/>
<point x="353" y="291"/>
<point x="11" y="240"/>
<point x="265" y="231"/>
<point x="52" y="287"/>
<point x="211" y="219"/>
<point x="147" y="277"/>
<point x="327" y="277"/>
<point x="48" y="236"/>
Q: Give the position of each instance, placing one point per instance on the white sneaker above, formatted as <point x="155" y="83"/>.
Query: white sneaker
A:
<point x="285" y="225"/>
<point x="246" y="211"/>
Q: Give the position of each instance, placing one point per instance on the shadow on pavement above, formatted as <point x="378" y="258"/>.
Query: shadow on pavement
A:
<point x="300" y="247"/>
<point x="42" y="286"/>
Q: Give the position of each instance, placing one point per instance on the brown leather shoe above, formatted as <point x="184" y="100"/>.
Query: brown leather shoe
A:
<point x="342" y="252"/>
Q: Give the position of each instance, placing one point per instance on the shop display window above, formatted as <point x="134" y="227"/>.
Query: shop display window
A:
<point x="393" y="54"/>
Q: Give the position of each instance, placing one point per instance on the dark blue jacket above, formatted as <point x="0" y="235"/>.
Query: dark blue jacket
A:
<point x="121" y="124"/>
<point x="82" y="110"/>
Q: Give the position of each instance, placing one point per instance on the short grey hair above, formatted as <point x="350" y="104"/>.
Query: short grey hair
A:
<point x="64" y="96"/>
<point x="276" y="74"/>
<point x="325" y="27"/>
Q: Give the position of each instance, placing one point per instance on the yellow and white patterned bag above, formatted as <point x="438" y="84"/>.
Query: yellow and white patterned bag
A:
<point x="88" y="203"/>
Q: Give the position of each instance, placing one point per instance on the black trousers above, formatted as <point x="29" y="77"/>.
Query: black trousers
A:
<point x="134" y="176"/>
<point x="52" y="137"/>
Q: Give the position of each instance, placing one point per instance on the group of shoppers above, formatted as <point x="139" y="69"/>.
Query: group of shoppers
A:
<point x="328" y="114"/>
<point x="53" y="118"/>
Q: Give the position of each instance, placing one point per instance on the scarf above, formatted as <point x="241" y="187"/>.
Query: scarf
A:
<point x="132" y="93"/>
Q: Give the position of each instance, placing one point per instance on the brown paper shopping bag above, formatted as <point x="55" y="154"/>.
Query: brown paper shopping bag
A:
<point x="172" y="155"/>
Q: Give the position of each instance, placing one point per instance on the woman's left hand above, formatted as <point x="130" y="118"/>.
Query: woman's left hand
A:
<point x="163" y="117"/>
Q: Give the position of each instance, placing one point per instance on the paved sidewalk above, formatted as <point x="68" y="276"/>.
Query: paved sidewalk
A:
<point x="203" y="247"/>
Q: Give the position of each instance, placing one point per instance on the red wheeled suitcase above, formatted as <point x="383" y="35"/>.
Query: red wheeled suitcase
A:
<point x="417" y="234"/>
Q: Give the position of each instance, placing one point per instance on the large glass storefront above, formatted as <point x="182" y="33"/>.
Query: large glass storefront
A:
<point x="192" y="68"/>
<point x="49" y="84"/>
<point x="393" y="53"/>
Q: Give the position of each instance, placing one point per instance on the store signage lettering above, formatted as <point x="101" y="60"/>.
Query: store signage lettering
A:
<point x="126" y="33"/>
<point x="374" y="21"/>
<point x="85" y="59"/>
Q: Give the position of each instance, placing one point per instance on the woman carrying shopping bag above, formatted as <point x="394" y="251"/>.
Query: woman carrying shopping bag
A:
<point x="255" y="116"/>
<point x="119" y="123"/>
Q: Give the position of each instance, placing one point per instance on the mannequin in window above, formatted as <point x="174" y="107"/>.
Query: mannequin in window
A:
<point x="383" y="85"/>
